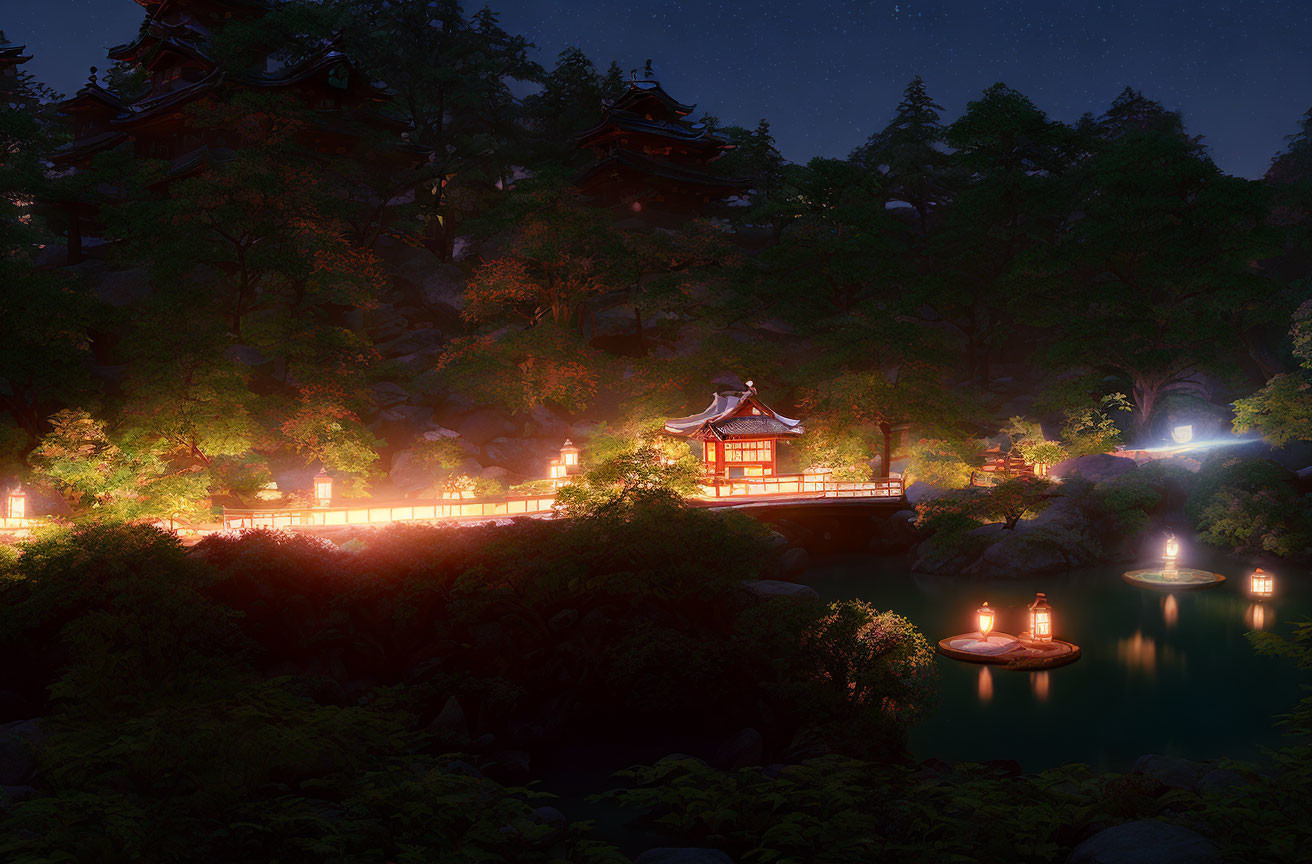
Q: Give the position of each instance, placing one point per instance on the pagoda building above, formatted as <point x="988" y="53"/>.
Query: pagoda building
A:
<point x="11" y="57"/>
<point x="173" y="49"/>
<point x="649" y="155"/>
<point x="739" y="434"/>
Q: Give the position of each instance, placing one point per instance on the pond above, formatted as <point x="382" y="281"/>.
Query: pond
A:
<point x="1161" y="672"/>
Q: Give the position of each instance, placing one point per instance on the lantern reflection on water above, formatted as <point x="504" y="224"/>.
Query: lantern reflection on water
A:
<point x="985" y="684"/>
<point x="1170" y="610"/>
<point x="1256" y="617"/>
<point x="1041" y="685"/>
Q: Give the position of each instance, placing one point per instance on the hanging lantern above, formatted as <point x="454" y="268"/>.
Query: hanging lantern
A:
<point x="985" y="620"/>
<point x="1172" y="548"/>
<point x="17" y="508"/>
<point x="1040" y="619"/>
<point x="323" y="489"/>
<point x="1261" y="583"/>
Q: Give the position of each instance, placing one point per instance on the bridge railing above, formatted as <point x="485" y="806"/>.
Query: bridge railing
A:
<point x="820" y="485"/>
<point x="383" y="513"/>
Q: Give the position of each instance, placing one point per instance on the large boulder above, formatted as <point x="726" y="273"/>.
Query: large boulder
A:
<point x="775" y="588"/>
<point x="481" y="425"/>
<point x="1147" y="841"/>
<point x="1094" y="467"/>
<point x="19" y="743"/>
<point x="683" y="855"/>
<point x="744" y="748"/>
<point x="427" y="340"/>
<point x="120" y="288"/>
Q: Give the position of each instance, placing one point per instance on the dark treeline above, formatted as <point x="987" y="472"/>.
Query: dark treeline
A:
<point x="251" y="316"/>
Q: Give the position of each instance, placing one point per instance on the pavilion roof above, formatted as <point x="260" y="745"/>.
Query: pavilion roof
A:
<point x="642" y="165"/>
<point x="727" y="417"/>
<point x="630" y="122"/>
<point x="649" y="88"/>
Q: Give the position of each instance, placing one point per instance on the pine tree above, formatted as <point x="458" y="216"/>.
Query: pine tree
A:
<point x="907" y="152"/>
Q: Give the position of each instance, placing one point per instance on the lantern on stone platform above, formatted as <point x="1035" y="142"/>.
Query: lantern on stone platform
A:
<point x="1261" y="583"/>
<point x="17" y="503"/>
<point x="1172" y="549"/>
<point x="985" y="615"/>
<point x="323" y="489"/>
<point x="1040" y="619"/>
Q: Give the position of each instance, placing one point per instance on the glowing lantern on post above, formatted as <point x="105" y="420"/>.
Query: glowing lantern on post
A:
<point x="323" y="489"/>
<point x="1172" y="549"/>
<point x="1040" y="619"/>
<point x="985" y="620"/>
<point x="1261" y="583"/>
<point x="569" y="455"/>
<point x="17" y="508"/>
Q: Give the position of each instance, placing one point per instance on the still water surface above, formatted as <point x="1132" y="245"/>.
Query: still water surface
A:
<point x="1160" y="673"/>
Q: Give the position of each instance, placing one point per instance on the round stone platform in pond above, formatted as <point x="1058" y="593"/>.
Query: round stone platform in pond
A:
<point x="1181" y="579"/>
<point x="1008" y="651"/>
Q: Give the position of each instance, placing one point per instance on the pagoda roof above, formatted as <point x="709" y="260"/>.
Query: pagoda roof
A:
<point x="630" y="122"/>
<point x="638" y="164"/>
<point x="91" y="95"/>
<point x="83" y="147"/>
<point x="735" y="414"/>
<point x="154" y="106"/>
<point x="650" y="88"/>
<point x="186" y="38"/>
<point x="11" y="53"/>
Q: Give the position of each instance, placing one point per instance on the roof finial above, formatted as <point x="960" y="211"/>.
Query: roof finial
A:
<point x="647" y="71"/>
<point x="92" y="78"/>
<point x="751" y="385"/>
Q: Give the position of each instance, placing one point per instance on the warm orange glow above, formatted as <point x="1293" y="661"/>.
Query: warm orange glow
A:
<point x="1262" y="583"/>
<point x="1172" y="548"/>
<point x="17" y="503"/>
<point x="1257" y="618"/>
<point x="569" y="454"/>
<point x="323" y="489"/>
<point x="1041" y="684"/>
<point x="985" y="684"/>
<point x="1040" y="619"/>
<point x="1170" y="610"/>
<point x="985" y="620"/>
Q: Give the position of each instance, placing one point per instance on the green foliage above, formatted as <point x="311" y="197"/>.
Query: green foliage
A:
<point x="843" y="451"/>
<point x="1282" y="410"/>
<point x="116" y="478"/>
<point x="945" y="463"/>
<point x="1092" y="428"/>
<point x="1029" y="443"/>
<point x="1127" y="501"/>
<point x="630" y="466"/>
<point x="1250" y="505"/>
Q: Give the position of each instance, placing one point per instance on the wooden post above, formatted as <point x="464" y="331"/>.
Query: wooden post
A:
<point x="884" y="467"/>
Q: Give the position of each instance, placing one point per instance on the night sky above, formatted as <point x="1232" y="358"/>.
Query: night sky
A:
<point x="827" y="73"/>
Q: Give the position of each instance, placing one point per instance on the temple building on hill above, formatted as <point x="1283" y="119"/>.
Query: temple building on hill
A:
<point x="11" y="57"/>
<point x="173" y="49"/>
<point x="739" y="433"/>
<point x="649" y="155"/>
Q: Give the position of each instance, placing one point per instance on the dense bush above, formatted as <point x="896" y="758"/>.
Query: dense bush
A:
<point x="1251" y="505"/>
<point x="278" y="697"/>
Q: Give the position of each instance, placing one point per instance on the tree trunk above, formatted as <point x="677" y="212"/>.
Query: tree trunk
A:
<point x="887" y="459"/>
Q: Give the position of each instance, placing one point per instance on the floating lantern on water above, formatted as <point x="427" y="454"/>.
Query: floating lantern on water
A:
<point x="985" y="619"/>
<point x="323" y="489"/>
<point x="1040" y="619"/>
<point x="1182" y="434"/>
<point x="1261" y="583"/>
<point x="17" y="503"/>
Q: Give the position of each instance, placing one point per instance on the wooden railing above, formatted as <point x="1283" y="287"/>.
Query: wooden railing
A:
<point x="8" y="523"/>
<point x="816" y="485"/>
<point x="383" y="513"/>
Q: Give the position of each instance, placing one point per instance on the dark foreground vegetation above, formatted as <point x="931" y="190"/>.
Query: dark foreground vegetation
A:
<point x="395" y="698"/>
